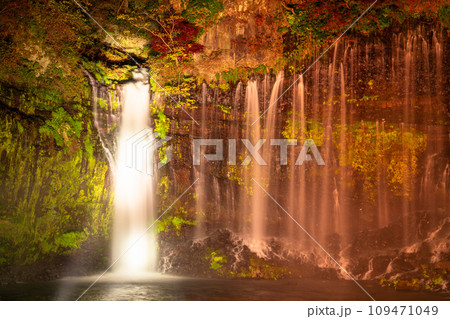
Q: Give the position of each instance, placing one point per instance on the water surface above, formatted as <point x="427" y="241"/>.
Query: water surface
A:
<point x="161" y="287"/>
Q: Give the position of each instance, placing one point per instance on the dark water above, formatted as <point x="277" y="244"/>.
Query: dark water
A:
<point x="179" y="288"/>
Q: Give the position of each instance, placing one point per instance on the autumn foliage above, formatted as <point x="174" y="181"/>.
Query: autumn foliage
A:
<point x="181" y="37"/>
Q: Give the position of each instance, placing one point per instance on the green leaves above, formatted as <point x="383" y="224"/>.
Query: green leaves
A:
<point x="70" y="240"/>
<point x="162" y="124"/>
<point x="173" y="223"/>
<point x="215" y="258"/>
<point x="444" y="15"/>
<point x="54" y="199"/>
<point x="62" y="127"/>
<point x="203" y="13"/>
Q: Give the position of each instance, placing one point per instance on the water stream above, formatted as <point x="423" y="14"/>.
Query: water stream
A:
<point x="134" y="247"/>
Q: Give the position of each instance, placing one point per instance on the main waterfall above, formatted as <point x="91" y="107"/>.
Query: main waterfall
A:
<point x="134" y="247"/>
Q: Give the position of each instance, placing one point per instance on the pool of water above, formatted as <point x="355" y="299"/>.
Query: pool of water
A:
<point x="162" y="287"/>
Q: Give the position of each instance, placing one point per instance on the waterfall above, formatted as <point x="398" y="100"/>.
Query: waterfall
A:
<point x="104" y="117"/>
<point x="297" y="174"/>
<point x="374" y="107"/>
<point x="202" y="196"/>
<point x="134" y="186"/>
<point x="237" y="98"/>
<point x="292" y="171"/>
<point x="342" y="220"/>
<point x="254" y="212"/>
<point x="382" y="199"/>
<point x="300" y="209"/>
<point x="261" y="172"/>
<point x="271" y="115"/>
<point x="265" y="90"/>
<point x="234" y="133"/>
<point x="327" y="212"/>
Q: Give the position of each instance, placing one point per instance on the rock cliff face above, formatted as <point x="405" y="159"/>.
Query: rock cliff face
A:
<point x="247" y="36"/>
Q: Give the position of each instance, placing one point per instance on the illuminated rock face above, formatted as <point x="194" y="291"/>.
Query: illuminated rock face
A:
<point x="378" y="125"/>
<point x="246" y="36"/>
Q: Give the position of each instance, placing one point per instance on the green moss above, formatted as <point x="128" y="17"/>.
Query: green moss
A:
<point x="162" y="124"/>
<point x="174" y="223"/>
<point x="55" y="197"/>
<point x="106" y="73"/>
<point x="70" y="240"/>
<point x="224" y="109"/>
<point x="89" y="148"/>
<point x="444" y="16"/>
<point x="215" y="258"/>
<point x="313" y="130"/>
<point x="178" y="218"/>
<point x="260" y="268"/>
<point x="429" y="277"/>
<point x="62" y="127"/>
<point x="395" y="151"/>
<point x="203" y="13"/>
<point x="314" y="24"/>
